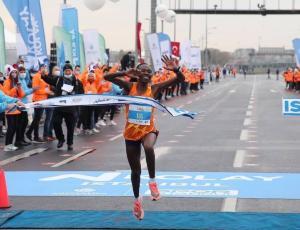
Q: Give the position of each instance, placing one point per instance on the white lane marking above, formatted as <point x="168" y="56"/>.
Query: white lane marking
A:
<point x="244" y="135"/>
<point x="273" y="91"/>
<point x="239" y="158"/>
<point x="164" y="114"/>
<point x="252" y="156"/>
<point x="70" y="159"/>
<point x="229" y="205"/>
<point x="251" y="102"/>
<point x="232" y="91"/>
<point x="250" y="107"/>
<point x="159" y="152"/>
<point x="251" y="147"/>
<point x="249" y="113"/>
<point x="187" y="131"/>
<point x="116" y="137"/>
<point x="247" y="122"/>
<point x="173" y="141"/>
<point x="179" y="135"/>
<point x="22" y="156"/>
<point x="252" y="165"/>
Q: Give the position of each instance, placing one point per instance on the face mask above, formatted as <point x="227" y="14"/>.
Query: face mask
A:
<point x="57" y="73"/>
<point x="68" y="76"/>
<point x="22" y="75"/>
<point x="2" y="78"/>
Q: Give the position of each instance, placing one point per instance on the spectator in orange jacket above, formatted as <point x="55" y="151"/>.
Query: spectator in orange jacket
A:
<point x="88" y="112"/>
<point x="41" y="94"/>
<point x="13" y="88"/>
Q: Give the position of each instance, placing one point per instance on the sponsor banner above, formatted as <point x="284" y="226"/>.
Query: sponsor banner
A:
<point x="91" y="46"/>
<point x="70" y="24"/>
<point x="154" y="47"/>
<point x="28" y="17"/>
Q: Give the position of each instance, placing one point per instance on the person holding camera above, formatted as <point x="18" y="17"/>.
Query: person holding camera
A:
<point x="13" y="88"/>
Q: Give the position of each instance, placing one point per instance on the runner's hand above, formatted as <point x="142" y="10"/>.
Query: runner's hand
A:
<point x="170" y="63"/>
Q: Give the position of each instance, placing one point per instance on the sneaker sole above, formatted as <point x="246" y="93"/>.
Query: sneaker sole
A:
<point x="155" y="198"/>
<point x="141" y="217"/>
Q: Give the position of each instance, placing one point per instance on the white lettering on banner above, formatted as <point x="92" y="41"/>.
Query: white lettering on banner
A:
<point x="190" y="192"/>
<point x="104" y="177"/>
<point x="268" y="178"/>
<point x="34" y="41"/>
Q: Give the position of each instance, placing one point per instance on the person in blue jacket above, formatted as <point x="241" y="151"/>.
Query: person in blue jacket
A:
<point x="6" y="102"/>
<point x="24" y="114"/>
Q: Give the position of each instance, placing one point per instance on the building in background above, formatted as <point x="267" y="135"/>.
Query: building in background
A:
<point x="263" y="59"/>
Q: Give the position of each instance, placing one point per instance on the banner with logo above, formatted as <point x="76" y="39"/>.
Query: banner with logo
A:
<point x="185" y="52"/>
<point x="91" y="46"/>
<point x="195" y="58"/>
<point x="175" y="48"/>
<point x="102" y="47"/>
<point x="28" y="17"/>
<point x="153" y="45"/>
<point x="296" y="45"/>
<point x="82" y="54"/>
<point x="63" y="40"/>
<point x="2" y="47"/>
<point x="93" y="100"/>
<point x="70" y="24"/>
<point x="165" y="44"/>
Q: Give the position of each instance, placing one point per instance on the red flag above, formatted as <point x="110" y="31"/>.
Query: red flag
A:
<point x="139" y="47"/>
<point x="175" y="48"/>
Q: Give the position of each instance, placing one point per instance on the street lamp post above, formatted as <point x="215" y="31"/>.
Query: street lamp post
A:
<point x="136" y="31"/>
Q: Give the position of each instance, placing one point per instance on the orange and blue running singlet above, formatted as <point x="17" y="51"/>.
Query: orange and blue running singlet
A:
<point x="139" y="118"/>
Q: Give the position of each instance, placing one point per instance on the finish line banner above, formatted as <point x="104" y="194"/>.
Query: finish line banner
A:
<point x="171" y="184"/>
<point x="97" y="99"/>
<point x="291" y="107"/>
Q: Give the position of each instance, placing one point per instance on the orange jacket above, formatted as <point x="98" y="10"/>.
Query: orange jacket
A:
<point x="296" y="76"/>
<point x="41" y="93"/>
<point x="16" y="92"/>
<point x="105" y="87"/>
<point x="288" y="76"/>
<point x="90" y="88"/>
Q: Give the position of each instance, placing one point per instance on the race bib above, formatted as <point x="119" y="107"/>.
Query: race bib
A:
<point x="139" y="114"/>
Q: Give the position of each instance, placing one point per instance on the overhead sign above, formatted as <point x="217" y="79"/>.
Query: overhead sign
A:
<point x="171" y="184"/>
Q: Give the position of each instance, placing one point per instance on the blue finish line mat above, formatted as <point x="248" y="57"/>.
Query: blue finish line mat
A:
<point x="152" y="220"/>
<point x="171" y="184"/>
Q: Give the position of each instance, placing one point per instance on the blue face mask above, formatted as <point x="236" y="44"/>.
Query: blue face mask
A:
<point x="22" y="75"/>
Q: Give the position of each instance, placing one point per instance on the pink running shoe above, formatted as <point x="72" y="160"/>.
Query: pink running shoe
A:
<point x="155" y="194"/>
<point x="138" y="210"/>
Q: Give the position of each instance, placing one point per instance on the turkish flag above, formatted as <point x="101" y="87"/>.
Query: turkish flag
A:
<point x="139" y="46"/>
<point x="175" y="48"/>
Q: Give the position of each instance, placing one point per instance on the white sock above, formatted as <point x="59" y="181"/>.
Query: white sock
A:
<point x="152" y="180"/>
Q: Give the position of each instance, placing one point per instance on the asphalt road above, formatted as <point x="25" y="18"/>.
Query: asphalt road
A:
<point x="241" y="129"/>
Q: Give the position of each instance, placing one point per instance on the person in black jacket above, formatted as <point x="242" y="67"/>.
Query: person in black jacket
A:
<point x="65" y="85"/>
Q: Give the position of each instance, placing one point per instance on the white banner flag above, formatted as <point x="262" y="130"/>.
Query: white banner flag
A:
<point x="153" y="44"/>
<point x="195" y="58"/>
<point x="165" y="48"/>
<point x="91" y="45"/>
<point x="185" y="51"/>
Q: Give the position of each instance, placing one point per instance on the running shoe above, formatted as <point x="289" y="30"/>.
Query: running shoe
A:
<point x="101" y="123"/>
<point x="155" y="194"/>
<point x="138" y="210"/>
<point x="10" y="148"/>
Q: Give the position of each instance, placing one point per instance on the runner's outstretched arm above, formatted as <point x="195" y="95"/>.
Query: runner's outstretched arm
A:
<point x="170" y="64"/>
<point x="116" y="79"/>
